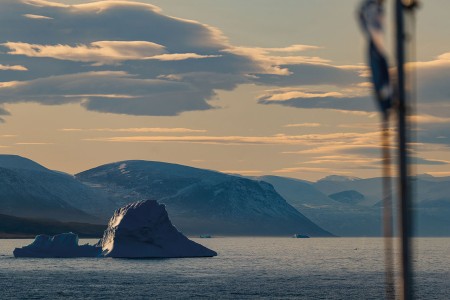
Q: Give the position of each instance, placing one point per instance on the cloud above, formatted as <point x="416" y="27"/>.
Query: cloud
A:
<point x="279" y="139"/>
<point x="343" y="159"/>
<point x="303" y="125"/>
<point x="433" y="90"/>
<point x="138" y="130"/>
<point x="270" y="63"/>
<point x="9" y="84"/>
<point x="169" y="65"/>
<point x="360" y="152"/>
<point x="423" y="161"/>
<point x="368" y="160"/>
<point x="352" y="99"/>
<point x="198" y="160"/>
<point x="43" y="3"/>
<point x="369" y="126"/>
<point x="181" y="56"/>
<point x="433" y="133"/>
<point x="324" y="102"/>
<point x="3" y="112"/>
<point x="33" y="144"/>
<point x="436" y="174"/>
<point x="309" y="170"/>
<point x="103" y="92"/>
<point x="127" y="59"/>
<point x="342" y="148"/>
<point x="429" y="119"/>
<point x="309" y="73"/>
<point x="100" y="52"/>
<point x="226" y="140"/>
<point x="299" y="94"/>
<point x="30" y="16"/>
<point x="292" y="48"/>
<point x="12" y="68"/>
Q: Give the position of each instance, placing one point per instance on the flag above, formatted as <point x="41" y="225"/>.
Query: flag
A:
<point x="371" y="16"/>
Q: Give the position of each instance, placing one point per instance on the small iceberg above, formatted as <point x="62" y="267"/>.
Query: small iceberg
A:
<point x="63" y="245"/>
<point x="143" y="230"/>
<point x="301" y="236"/>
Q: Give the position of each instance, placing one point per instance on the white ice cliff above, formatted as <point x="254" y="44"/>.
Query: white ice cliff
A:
<point x="143" y="230"/>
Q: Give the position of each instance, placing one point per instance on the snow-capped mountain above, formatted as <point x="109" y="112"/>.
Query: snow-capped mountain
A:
<point x="339" y="178"/>
<point x="208" y="202"/>
<point x="203" y="201"/>
<point x="28" y="189"/>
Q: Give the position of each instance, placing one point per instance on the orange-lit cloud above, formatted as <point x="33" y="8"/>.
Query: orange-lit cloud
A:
<point x="101" y="51"/>
<point x="37" y="17"/>
<point x="279" y="139"/>
<point x="309" y="170"/>
<point x="33" y="143"/>
<point x="137" y="130"/>
<point x="12" y="68"/>
<point x="303" y="125"/>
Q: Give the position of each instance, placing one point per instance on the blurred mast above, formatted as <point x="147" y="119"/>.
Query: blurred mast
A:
<point x="387" y="209"/>
<point x="371" y="17"/>
<point x="405" y="205"/>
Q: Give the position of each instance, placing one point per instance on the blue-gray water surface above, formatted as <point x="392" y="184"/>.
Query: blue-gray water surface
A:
<point x="273" y="268"/>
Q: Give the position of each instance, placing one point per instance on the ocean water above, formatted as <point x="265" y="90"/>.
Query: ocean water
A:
<point x="246" y="268"/>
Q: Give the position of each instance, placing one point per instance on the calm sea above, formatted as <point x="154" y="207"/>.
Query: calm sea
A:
<point x="272" y="268"/>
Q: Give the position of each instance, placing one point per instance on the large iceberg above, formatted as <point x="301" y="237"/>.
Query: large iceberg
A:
<point x="60" y="245"/>
<point x="143" y="230"/>
<point x="137" y="230"/>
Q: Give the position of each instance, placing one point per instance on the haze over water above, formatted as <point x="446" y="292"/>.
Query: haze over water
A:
<point x="318" y="268"/>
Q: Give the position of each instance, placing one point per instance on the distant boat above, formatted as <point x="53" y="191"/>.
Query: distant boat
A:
<point x="205" y="236"/>
<point x="300" y="236"/>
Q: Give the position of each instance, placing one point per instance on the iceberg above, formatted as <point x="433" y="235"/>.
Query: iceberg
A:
<point x="143" y="230"/>
<point x="63" y="245"/>
<point x="137" y="230"/>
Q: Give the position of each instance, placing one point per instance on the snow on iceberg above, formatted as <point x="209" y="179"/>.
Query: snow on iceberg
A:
<point x="61" y="245"/>
<point x="143" y="230"/>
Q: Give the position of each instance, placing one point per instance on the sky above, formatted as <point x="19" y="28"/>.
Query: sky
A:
<point x="253" y="87"/>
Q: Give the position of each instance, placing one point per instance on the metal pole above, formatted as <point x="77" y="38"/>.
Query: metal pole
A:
<point x="387" y="209"/>
<point x="404" y="188"/>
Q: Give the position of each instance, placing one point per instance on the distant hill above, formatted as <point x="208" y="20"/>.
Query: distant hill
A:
<point x="348" y="197"/>
<point x="202" y="201"/>
<point x="17" y="162"/>
<point x="431" y="199"/>
<point x="370" y="188"/>
<point x="343" y="219"/>
<point x="208" y="202"/>
<point x="15" y="227"/>
<point x="30" y="190"/>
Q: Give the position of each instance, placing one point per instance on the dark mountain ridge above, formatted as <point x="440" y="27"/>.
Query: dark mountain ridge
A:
<point x="203" y="201"/>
